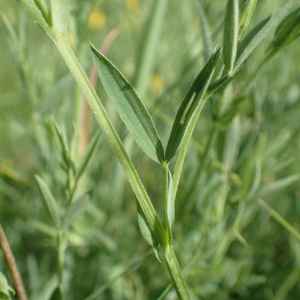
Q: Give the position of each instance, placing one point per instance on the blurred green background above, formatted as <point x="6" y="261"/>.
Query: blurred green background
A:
<point x="239" y="251"/>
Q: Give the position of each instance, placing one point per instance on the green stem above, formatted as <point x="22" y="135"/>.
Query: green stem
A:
<point x="165" y="187"/>
<point x="165" y="292"/>
<point x="176" y="274"/>
<point x="60" y="256"/>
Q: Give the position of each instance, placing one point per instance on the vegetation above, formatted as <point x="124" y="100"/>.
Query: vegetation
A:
<point x="205" y="170"/>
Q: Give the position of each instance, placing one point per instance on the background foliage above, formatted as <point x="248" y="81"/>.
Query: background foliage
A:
<point x="224" y="233"/>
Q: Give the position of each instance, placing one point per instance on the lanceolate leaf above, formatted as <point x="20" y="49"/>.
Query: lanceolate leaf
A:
<point x="63" y="144"/>
<point x="247" y="39"/>
<point x="265" y="31"/>
<point x="288" y="30"/>
<point x="89" y="153"/>
<point x="129" y="106"/>
<point x="231" y="31"/>
<point x="190" y="103"/>
<point x="206" y="35"/>
<point x="278" y="185"/>
<point x="75" y="210"/>
<point x="48" y="200"/>
<point x="56" y="295"/>
<point x="146" y="232"/>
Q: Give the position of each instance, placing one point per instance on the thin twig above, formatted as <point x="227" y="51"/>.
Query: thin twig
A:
<point x="12" y="265"/>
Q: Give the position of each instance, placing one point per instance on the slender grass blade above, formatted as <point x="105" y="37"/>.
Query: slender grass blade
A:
<point x="231" y="31"/>
<point x="89" y="153"/>
<point x="49" y="200"/>
<point x="206" y="34"/>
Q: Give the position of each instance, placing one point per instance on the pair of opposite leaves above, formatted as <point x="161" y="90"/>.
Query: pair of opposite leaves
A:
<point x="135" y="115"/>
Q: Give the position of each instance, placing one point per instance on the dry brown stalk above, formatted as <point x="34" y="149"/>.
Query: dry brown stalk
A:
<point x="12" y="266"/>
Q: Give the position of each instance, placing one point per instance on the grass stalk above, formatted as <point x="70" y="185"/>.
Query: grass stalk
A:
<point x="12" y="265"/>
<point x="60" y="256"/>
<point x="280" y="219"/>
<point x="176" y="274"/>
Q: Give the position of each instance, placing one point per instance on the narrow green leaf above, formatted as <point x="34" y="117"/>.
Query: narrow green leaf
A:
<point x="265" y="31"/>
<point x="62" y="142"/>
<point x="146" y="231"/>
<point x="190" y="104"/>
<point x="213" y="87"/>
<point x="56" y="295"/>
<point x="77" y="208"/>
<point x="246" y="12"/>
<point x="49" y="201"/>
<point x="168" y="202"/>
<point x="252" y="33"/>
<point x="287" y="31"/>
<point x="34" y="11"/>
<point x="232" y="110"/>
<point x="277" y="146"/>
<point x="130" y="108"/>
<point x="43" y="7"/>
<point x="280" y="219"/>
<point x="231" y="31"/>
<point x="60" y="15"/>
<point x="89" y="153"/>
<point x="255" y="181"/>
<point x="232" y="143"/>
<point x="171" y="201"/>
<point x="206" y="34"/>
<point x="278" y="185"/>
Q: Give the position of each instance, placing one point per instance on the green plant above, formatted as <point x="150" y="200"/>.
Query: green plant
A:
<point x="237" y="47"/>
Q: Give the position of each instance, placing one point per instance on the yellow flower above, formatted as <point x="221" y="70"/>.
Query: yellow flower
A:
<point x="156" y="82"/>
<point x="97" y="19"/>
<point x="132" y="5"/>
<point x="72" y="42"/>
